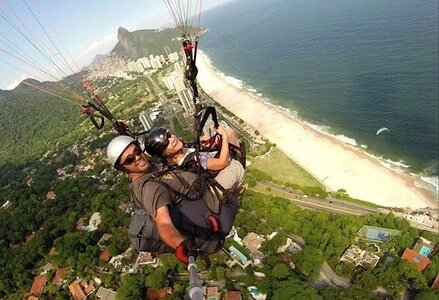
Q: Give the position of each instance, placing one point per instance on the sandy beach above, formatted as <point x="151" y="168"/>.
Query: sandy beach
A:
<point x="333" y="163"/>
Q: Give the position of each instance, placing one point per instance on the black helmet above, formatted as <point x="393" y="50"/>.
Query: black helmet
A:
<point x="157" y="141"/>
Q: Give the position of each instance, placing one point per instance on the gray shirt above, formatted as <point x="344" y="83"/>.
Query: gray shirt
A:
<point x="168" y="191"/>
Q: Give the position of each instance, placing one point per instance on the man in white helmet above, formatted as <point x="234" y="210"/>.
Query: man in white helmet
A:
<point x="180" y="216"/>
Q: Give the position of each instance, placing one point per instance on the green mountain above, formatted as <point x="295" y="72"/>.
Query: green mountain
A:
<point x="33" y="122"/>
<point x="142" y="43"/>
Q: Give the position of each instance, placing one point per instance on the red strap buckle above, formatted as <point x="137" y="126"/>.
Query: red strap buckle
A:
<point x="213" y="221"/>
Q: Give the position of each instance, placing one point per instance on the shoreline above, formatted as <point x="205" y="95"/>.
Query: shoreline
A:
<point x="335" y="164"/>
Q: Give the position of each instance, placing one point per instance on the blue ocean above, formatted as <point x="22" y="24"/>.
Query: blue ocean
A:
<point x="350" y="67"/>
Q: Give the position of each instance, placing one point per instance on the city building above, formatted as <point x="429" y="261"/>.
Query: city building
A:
<point x="212" y="293"/>
<point x="153" y="294"/>
<point x="38" y="285"/>
<point x="232" y="295"/>
<point x="289" y="246"/>
<point x="106" y="294"/>
<point x="419" y="260"/>
<point x="145" y="62"/>
<point x="76" y="291"/>
<point x="256" y="294"/>
<point x="240" y="258"/>
<point x="103" y="239"/>
<point x="50" y="195"/>
<point x="6" y="204"/>
<point x="105" y="255"/>
<point x="57" y="279"/>
<point x="358" y="257"/>
<point x="378" y="234"/>
<point x="158" y="62"/>
<point x="146" y="120"/>
<point x="186" y="99"/>
<point x="178" y="81"/>
<point x="253" y="241"/>
<point x="116" y="261"/>
<point x="424" y="247"/>
<point x="152" y="62"/>
<point x="94" y="222"/>
<point x="87" y="287"/>
<point x="145" y="258"/>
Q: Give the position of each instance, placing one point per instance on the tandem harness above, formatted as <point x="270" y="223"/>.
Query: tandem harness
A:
<point x="196" y="220"/>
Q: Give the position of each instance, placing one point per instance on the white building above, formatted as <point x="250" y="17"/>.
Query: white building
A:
<point x="94" y="222"/>
<point x="152" y="62"/>
<point x="135" y="67"/>
<point x="146" y="120"/>
<point x="186" y="97"/>
<point x="158" y="61"/>
<point x="145" y="62"/>
<point x="162" y="59"/>
<point x="175" y="81"/>
<point x="173" y="57"/>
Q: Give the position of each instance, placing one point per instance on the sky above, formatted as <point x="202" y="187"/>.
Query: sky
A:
<point x="80" y="29"/>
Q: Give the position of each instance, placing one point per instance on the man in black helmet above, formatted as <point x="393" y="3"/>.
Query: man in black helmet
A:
<point x="177" y="223"/>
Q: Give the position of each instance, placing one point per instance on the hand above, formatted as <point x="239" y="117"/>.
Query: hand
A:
<point x="185" y="249"/>
<point x="220" y="130"/>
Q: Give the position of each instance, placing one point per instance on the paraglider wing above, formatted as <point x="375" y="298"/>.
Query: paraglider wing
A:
<point x="382" y="129"/>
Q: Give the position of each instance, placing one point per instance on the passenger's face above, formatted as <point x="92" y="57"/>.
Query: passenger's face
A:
<point x="134" y="160"/>
<point x="175" y="145"/>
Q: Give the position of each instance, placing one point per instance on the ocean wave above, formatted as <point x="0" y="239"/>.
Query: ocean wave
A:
<point x="363" y="146"/>
<point x="433" y="180"/>
<point x="346" y="140"/>
<point x="398" y="166"/>
<point x="238" y="83"/>
<point x="327" y="130"/>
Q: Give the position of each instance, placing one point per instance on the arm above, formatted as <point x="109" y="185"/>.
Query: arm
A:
<point x="167" y="231"/>
<point x="222" y="161"/>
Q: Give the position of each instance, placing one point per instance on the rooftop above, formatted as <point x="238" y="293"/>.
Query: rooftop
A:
<point x="58" y="275"/>
<point x="105" y="255"/>
<point x="412" y="256"/>
<point x="106" y="294"/>
<point x="76" y="291"/>
<point x="153" y="294"/>
<point x="253" y="241"/>
<point x="359" y="257"/>
<point x="38" y="285"/>
<point x="232" y="295"/>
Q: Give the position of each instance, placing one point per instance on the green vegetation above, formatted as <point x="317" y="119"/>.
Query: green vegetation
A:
<point x="29" y="119"/>
<point x="282" y="169"/>
<point x="327" y="236"/>
<point x="38" y="130"/>
<point x="341" y="194"/>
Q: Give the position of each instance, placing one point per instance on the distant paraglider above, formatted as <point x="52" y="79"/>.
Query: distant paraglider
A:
<point x="382" y="129"/>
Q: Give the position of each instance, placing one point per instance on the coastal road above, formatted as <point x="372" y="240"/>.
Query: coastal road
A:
<point x="330" y="205"/>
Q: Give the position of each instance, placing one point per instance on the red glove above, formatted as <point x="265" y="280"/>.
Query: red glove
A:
<point x="184" y="250"/>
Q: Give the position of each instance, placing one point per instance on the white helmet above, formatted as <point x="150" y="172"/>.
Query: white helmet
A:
<point x="116" y="147"/>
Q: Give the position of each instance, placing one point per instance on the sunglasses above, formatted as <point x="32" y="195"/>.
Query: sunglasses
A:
<point x="132" y="157"/>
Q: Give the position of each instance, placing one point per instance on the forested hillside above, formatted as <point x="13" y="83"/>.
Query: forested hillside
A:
<point x="32" y="122"/>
